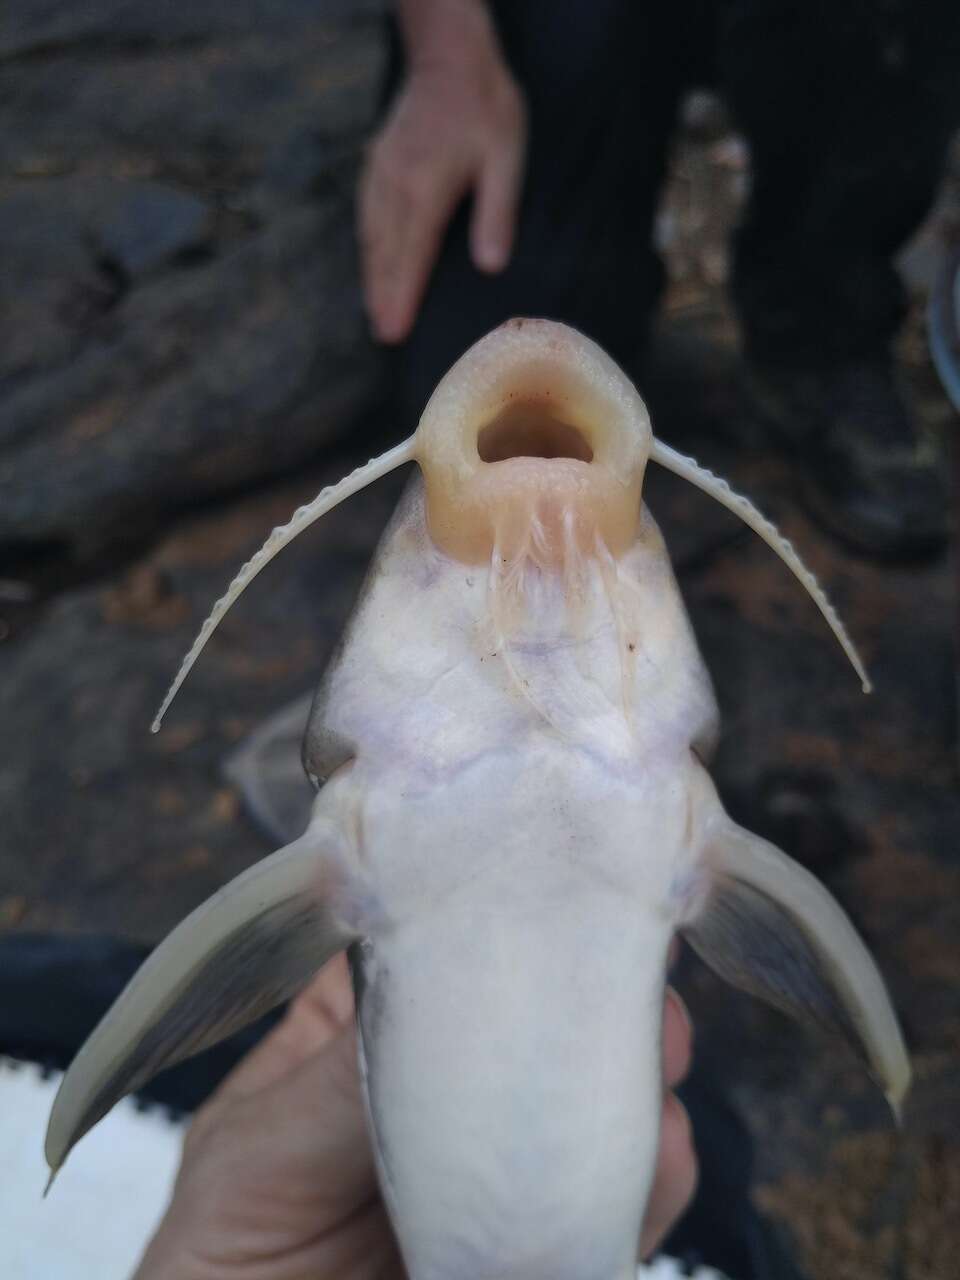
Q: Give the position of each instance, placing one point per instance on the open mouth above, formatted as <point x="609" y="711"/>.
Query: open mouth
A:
<point x="531" y="429"/>
<point x="534" y="434"/>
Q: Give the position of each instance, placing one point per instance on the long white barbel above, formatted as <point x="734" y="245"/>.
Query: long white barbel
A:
<point x="690" y="469"/>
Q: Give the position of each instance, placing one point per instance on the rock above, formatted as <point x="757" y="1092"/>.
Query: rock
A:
<point x="200" y="381"/>
<point x="43" y="27"/>
<point x="197" y="93"/>
<point x="306" y="163"/>
<point x="176" y="220"/>
<point x="68" y="249"/>
<point x="52" y="286"/>
<point x="121" y="831"/>
<point x="147" y="224"/>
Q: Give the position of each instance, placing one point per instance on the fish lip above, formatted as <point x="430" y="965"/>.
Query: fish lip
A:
<point x="535" y="421"/>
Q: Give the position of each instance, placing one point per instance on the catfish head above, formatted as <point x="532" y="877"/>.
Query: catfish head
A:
<point x="513" y="818"/>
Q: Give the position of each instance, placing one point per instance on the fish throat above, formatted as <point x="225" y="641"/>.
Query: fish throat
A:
<point x="552" y="582"/>
<point x="533" y="454"/>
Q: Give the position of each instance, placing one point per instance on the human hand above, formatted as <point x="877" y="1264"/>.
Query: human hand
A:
<point x="458" y="126"/>
<point x="277" y="1180"/>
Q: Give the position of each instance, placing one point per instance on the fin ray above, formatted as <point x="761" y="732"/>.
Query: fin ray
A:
<point x="254" y="944"/>
<point x="770" y="928"/>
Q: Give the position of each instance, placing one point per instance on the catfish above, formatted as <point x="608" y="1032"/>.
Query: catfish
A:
<point x="513" y="817"/>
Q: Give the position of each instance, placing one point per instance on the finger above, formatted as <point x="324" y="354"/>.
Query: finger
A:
<point x="300" y="1142"/>
<point x="404" y="219"/>
<point x="325" y="1007"/>
<point x="493" y="224"/>
<point x="315" y="1117"/>
<point x="675" y="1180"/>
<point x="417" y="245"/>
<point x="378" y="231"/>
<point x="677" y="1039"/>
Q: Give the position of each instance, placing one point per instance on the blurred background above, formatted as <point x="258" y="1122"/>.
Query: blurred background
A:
<point x="184" y="358"/>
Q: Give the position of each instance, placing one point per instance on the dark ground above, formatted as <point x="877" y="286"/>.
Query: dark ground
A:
<point x="144" y="380"/>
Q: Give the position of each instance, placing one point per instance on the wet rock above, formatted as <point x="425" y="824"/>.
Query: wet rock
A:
<point x="201" y="93"/>
<point x="176" y="220"/>
<point x="113" y="829"/>
<point x="144" y="597"/>
<point x="51" y="284"/>
<point x="200" y="381"/>
<point x="42" y="27"/>
<point x="801" y="810"/>
<point x="147" y="224"/>
<point x="307" y="163"/>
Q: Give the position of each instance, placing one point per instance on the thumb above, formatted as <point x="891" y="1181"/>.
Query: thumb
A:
<point x="315" y="1117"/>
<point x="309" y="1130"/>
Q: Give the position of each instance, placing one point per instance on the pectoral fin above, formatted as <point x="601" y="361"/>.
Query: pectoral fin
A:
<point x="252" y="945"/>
<point x="770" y="928"/>
<point x="268" y="772"/>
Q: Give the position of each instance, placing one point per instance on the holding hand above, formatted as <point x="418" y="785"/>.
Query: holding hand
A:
<point x="277" y="1180"/>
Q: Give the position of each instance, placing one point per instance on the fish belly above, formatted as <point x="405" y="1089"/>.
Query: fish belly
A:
<point x="513" y="1073"/>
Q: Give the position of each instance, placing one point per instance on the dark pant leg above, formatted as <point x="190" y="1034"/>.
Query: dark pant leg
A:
<point x="848" y="106"/>
<point x="602" y="90"/>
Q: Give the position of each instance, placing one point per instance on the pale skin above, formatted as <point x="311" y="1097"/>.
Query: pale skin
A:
<point x="456" y="130"/>
<point x="277" y="1180"/>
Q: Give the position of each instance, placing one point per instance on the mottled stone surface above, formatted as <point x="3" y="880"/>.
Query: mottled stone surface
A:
<point x="179" y="315"/>
<point x="108" y="827"/>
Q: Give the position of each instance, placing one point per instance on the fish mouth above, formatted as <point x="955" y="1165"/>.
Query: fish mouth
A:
<point x="534" y="437"/>
<point x="532" y="429"/>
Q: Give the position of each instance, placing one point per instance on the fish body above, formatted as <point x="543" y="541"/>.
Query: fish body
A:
<point x="513" y="818"/>
<point x="511" y="984"/>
